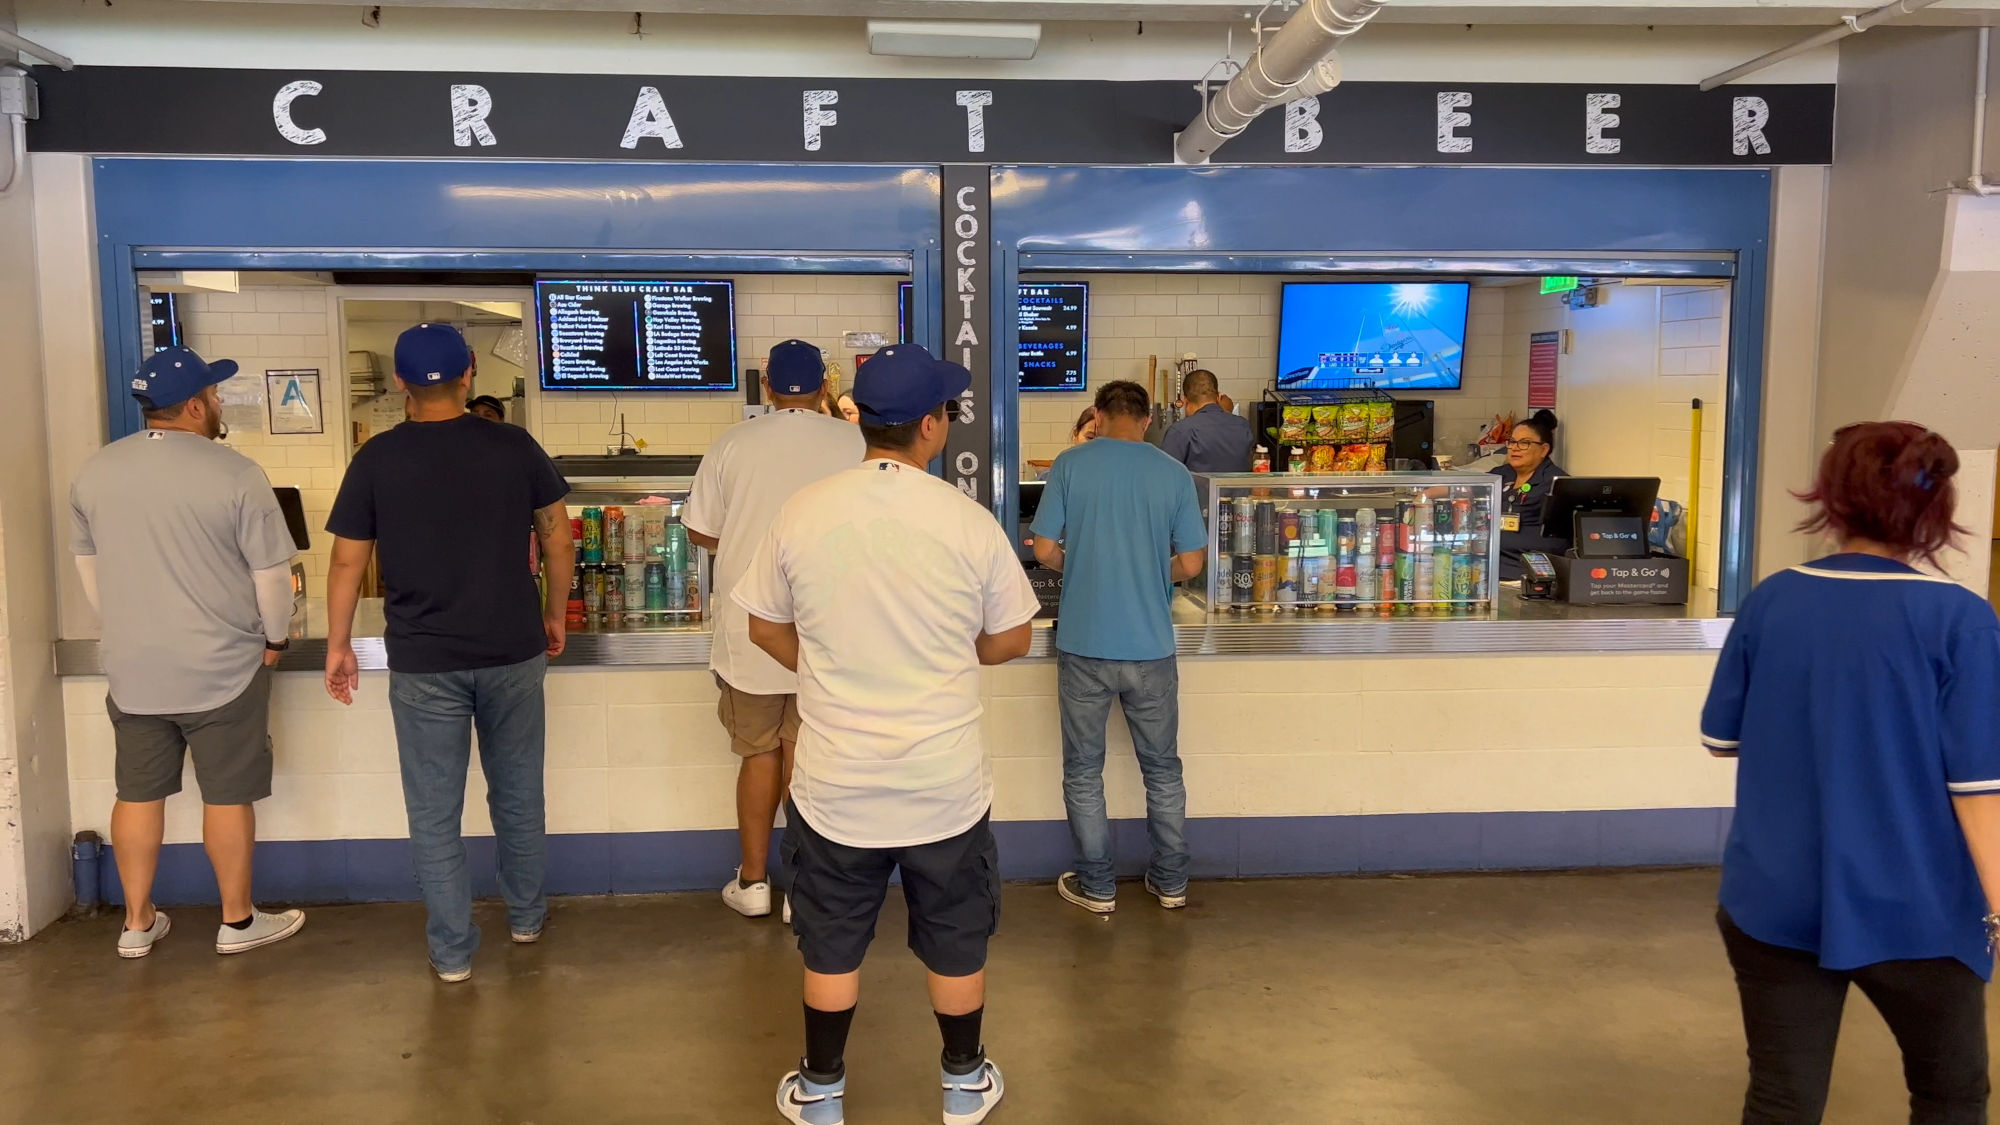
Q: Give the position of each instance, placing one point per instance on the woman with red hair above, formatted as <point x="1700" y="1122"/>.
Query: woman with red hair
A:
<point x="1860" y="696"/>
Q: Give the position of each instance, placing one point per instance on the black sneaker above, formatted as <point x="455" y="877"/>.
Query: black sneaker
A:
<point x="1070" y="886"/>
<point x="1170" y="901"/>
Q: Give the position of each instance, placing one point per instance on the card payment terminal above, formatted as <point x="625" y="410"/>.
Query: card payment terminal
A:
<point x="1538" y="575"/>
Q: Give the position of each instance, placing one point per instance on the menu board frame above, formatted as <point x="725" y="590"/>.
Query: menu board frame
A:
<point x="1083" y="342"/>
<point x="544" y="373"/>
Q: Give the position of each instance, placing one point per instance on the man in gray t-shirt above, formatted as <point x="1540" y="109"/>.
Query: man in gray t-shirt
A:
<point x="183" y="551"/>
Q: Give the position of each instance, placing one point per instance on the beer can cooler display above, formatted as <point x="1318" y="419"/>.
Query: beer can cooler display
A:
<point x="1264" y="579"/>
<point x="593" y="535"/>
<point x="614" y="535"/>
<point x="1243" y="527"/>
<point x="656" y="586"/>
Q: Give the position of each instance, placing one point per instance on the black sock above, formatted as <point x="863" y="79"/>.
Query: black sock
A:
<point x="743" y="884"/>
<point x="963" y="1052"/>
<point x="826" y="1044"/>
<point x="244" y="924"/>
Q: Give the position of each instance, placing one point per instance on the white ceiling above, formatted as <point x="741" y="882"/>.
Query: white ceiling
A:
<point x="1688" y="12"/>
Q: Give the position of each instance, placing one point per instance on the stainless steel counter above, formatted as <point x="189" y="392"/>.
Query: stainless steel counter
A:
<point x="1517" y="626"/>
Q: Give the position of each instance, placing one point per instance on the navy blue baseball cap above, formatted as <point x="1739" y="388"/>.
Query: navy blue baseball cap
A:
<point x="795" y="368"/>
<point x="903" y="382"/>
<point x="174" y="375"/>
<point x="430" y="354"/>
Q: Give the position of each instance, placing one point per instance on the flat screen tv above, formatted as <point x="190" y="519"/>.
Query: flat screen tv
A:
<point x="636" y="334"/>
<point x="1053" y="320"/>
<point x="1394" y="336"/>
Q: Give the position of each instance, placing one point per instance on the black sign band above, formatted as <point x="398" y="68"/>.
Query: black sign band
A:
<point x="968" y="288"/>
<point x="194" y="111"/>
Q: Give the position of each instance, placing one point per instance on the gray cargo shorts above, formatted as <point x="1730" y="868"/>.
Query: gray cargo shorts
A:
<point x="231" y="746"/>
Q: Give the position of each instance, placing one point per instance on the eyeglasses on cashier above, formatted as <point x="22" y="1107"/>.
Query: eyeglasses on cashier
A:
<point x="1513" y="444"/>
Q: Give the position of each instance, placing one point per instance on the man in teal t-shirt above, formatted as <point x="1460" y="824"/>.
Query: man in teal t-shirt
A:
<point x="1120" y="520"/>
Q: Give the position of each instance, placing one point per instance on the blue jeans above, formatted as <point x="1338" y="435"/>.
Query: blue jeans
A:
<point x="435" y="714"/>
<point x="1149" y="692"/>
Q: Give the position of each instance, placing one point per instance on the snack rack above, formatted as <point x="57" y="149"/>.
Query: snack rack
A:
<point x="1340" y="431"/>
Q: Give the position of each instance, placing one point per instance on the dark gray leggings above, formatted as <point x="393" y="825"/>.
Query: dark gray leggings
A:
<point x="1791" y="1016"/>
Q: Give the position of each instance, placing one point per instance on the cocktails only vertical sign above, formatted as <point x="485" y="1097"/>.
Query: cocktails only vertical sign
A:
<point x="968" y="288"/>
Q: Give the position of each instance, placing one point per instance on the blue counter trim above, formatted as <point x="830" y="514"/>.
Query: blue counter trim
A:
<point x="1224" y="848"/>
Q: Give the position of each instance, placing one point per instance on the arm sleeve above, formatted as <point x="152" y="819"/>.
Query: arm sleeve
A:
<point x="1190" y="532"/>
<point x="1175" y="443"/>
<point x="81" y="542"/>
<point x="353" y="515"/>
<point x="1010" y="597"/>
<point x="1722" y="714"/>
<point x="274" y="600"/>
<point x="706" y="509"/>
<point x="1969" y="720"/>
<point x="764" y="590"/>
<point x="261" y="533"/>
<point x="545" y="482"/>
<point x="86" y="573"/>
<point x="1049" y="514"/>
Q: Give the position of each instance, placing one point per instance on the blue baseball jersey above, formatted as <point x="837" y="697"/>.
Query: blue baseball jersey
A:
<point x="1858" y="695"/>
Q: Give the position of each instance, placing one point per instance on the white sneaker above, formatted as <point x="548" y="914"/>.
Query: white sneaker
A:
<point x="263" y="930"/>
<point x="968" y="1098"/>
<point x="138" y="943"/>
<point x="753" y="901"/>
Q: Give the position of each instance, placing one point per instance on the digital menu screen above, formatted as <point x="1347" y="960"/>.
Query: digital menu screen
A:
<point x="1052" y="322"/>
<point x="631" y="334"/>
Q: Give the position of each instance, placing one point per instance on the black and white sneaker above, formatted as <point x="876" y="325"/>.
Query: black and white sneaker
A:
<point x="806" y="1102"/>
<point x="1070" y="886"/>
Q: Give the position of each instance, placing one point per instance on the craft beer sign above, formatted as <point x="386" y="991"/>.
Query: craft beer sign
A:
<point x="159" y="110"/>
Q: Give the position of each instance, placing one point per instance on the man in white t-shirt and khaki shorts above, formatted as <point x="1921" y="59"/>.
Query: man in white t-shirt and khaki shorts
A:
<point x="886" y="589"/>
<point x="745" y="477"/>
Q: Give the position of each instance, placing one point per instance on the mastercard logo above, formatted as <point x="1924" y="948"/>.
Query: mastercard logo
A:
<point x="1599" y="572"/>
<point x="1595" y="535"/>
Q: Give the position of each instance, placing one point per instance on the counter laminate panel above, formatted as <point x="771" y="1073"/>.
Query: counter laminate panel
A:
<point x="1517" y="626"/>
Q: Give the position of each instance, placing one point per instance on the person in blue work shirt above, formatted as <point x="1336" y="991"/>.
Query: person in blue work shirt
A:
<point x="1209" y="439"/>
<point x="1858" y="696"/>
<point x="1525" y="481"/>
<point x="1120" y="520"/>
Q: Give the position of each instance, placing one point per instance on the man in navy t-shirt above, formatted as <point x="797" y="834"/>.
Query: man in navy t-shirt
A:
<point x="444" y="501"/>
<point x="1119" y="518"/>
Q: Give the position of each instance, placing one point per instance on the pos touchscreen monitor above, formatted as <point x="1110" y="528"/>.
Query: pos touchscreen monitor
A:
<point x="636" y="334"/>
<point x="1603" y="517"/>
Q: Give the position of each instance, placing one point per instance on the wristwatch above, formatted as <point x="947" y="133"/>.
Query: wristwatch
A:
<point x="278" y="646"/>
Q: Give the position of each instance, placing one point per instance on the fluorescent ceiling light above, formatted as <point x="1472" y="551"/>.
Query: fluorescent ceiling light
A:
<point x="953" y="39"/>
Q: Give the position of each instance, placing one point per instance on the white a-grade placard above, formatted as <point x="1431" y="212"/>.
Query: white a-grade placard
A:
<point x="294" y="402"/>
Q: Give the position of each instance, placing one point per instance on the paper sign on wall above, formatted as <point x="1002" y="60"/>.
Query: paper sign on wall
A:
<point x="242" y="405"/>
<point x="294" y="402"/>
<point x="1543" y="349"/>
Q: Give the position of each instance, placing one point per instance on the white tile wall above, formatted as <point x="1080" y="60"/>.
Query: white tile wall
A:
<point x="640" y="750"/>
<point x="1230" y="323"/>
<point x="769" y="308"/>
<point x="273" y="327"/>
<point x="1694" y="361"/>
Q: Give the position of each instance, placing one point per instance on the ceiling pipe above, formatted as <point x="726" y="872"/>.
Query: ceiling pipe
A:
<point x="1272" y="74"/>
<point x="35" y="50"/>
<point x="1849" y="25"/>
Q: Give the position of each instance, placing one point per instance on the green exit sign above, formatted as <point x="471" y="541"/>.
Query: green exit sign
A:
<point x="1559" y="284"/>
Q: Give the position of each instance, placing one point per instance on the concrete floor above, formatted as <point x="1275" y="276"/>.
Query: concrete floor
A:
<point x="1531" y="998"/>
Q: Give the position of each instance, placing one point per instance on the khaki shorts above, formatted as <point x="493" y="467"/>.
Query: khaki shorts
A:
<point x="756" y="723"/>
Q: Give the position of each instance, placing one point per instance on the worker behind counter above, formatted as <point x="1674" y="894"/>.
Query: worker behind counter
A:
<point x="1525" y="481"/>
<point x="1209" y="439"/>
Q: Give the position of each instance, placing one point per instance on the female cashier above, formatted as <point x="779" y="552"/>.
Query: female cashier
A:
<point x="1524" y="490"/>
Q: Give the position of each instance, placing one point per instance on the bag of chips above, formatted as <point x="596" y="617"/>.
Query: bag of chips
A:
<point x="1354" y="422"/>
<point x="1298" y="420"/>
<point x="1353" y="458"/>
<point x="1382" y="420"/>
<point x="1378" y="457"/>
<point x="1326" y="423"/>
<point x="1321" y="459"/>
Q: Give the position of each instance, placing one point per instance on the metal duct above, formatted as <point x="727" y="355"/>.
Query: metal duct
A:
<point x="1271" y="74"/>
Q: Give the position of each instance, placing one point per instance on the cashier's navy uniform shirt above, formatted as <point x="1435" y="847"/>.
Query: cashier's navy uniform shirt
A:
<point x="1859" y="695"/>
<point x="1527" y="506"/>
<point x="451" y="507"/>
